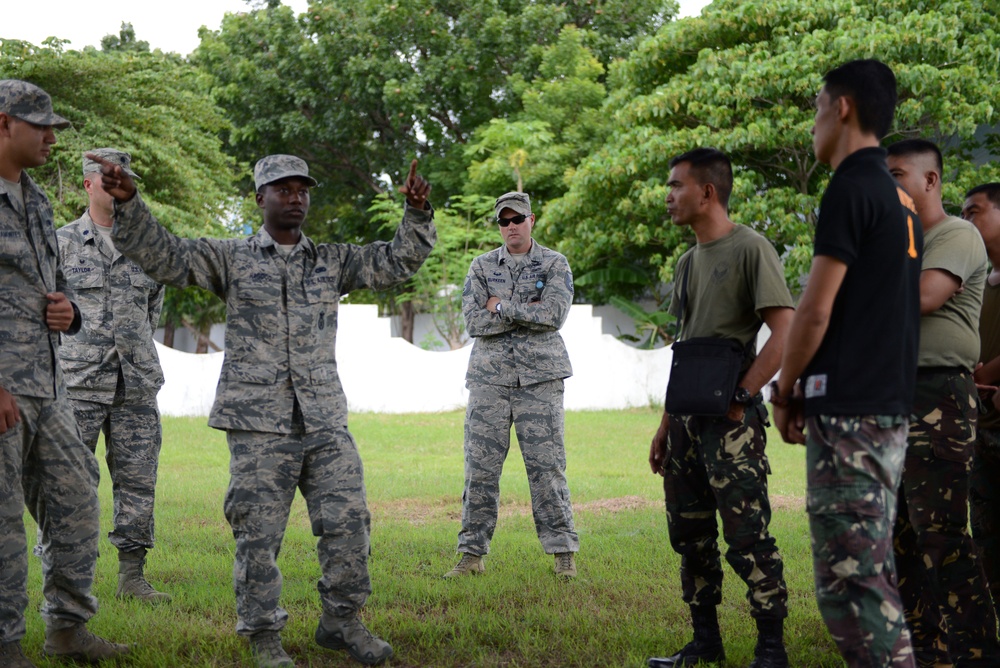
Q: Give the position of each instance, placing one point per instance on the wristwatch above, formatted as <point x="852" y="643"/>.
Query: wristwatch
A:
<point x="742" y="396"/>
<point x="497" y="309"/>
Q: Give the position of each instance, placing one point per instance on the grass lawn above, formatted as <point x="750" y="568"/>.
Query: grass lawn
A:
<point x="623" y="607"/>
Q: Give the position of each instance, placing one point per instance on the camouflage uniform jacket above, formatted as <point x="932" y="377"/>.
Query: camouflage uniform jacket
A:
<point x="120" y="307"/>
<point x="29" y="268"/>
<point x="281" y="315"/>
<point x="521" y="345"/>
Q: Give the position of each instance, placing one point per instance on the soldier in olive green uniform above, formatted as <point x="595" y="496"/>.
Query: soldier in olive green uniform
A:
<point x="982" y="209"/>
<point x="279" y="398"/>
<point x="113" y="373"/>
<point x="717" y="465"/>
<point x="44" y="464"/>
<point x="941" y="580"/>
<point x="515" y="300"/>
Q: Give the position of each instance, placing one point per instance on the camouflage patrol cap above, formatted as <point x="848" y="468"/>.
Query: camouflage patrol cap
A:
<point x="30" y="103"/>
<point x="273" y="168"/>
<point x="514" y="201"/>
<point x="120" y="158"/>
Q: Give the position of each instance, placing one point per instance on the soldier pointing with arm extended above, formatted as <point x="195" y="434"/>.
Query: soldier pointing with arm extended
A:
<point x="279" y="399"/>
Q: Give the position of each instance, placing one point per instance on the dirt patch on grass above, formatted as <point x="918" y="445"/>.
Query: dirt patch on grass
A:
<point x="421" y="511"/>
<point x="787" y="502"/>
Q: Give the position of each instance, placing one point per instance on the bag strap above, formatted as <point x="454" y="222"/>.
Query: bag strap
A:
<point x="684" y="294"/>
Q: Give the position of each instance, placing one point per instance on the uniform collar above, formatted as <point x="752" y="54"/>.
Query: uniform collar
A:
<point x="534" y="254"/>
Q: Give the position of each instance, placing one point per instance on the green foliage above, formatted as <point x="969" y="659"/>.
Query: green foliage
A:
<point x="152" y="105"/>
<point x="560" y="122"/>
<point x="652" y="326"/>
<point x="742" y="77"/>
<point x="465" y="230"/>
<point x="156" y="107"/>
<point x="357" y="87"/>
<point x="125" y="40"/>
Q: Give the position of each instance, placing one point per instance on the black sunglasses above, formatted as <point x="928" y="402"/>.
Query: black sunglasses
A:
<point x="517" y="220"/>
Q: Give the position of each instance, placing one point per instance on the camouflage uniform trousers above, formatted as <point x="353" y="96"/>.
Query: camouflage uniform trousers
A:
<point x="853" y="469"/>
<point x="44" y="464"/>
<point x="132" y="439"/>
<point x="265" y="470"/>
<point x="984" y="497"/>
<point x="536" y="412"/>
<point x="941" y="579"/>
<point x="717" y="465"/>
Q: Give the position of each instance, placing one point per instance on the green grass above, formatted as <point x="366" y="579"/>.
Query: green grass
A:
<point x="624" y="607"/>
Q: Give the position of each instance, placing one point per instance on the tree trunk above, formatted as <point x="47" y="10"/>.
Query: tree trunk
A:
<point x="168" y="334"/>
<point x="406" y="320"/>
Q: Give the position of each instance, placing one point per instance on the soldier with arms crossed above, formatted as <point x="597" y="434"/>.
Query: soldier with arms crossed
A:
<point x="515" y="300"/>
<point x="279" y="399"/>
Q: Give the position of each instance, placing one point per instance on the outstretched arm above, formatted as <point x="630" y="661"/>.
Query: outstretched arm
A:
<point x="165" y="257"/>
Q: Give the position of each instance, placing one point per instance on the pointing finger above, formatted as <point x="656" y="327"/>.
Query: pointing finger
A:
<point x="413" y="172"/>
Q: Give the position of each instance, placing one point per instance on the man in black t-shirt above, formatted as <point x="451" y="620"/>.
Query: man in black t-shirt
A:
<point x="853" y="348"/>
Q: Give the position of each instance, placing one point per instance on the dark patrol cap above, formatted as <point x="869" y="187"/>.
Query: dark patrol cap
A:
<point x="30" y="103"/>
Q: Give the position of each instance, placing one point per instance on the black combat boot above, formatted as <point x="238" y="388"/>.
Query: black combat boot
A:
<point x="706" y="646"/>
<point x="770" y="649"/>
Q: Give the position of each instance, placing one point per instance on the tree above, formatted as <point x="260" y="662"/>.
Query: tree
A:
<point x="356" y="87"/>
<point x="560" y="123"/>
<point x="742" y="77"/>
<point x="156" y="107"/>
<point x="465" y="229"/>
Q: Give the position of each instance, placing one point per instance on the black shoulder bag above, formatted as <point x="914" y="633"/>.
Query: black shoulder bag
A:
<point x="704" y="370"/>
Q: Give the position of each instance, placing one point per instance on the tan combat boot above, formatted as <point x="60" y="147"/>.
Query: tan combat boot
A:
<point x="566" y="565"/>
<point x="131" y="581"/>
<point x="470" y="564"/>
<point x="79" y="644"/>
<point x="11" y="655"/>
<point x="268" y="652"/>
<point x="351" y="634"/>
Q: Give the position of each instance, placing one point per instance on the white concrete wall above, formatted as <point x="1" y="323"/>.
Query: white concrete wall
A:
<point x="383" y="373"/>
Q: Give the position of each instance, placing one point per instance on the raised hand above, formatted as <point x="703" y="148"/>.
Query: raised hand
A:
<point x="415" y="188"/>
<point x="114" y="180"/>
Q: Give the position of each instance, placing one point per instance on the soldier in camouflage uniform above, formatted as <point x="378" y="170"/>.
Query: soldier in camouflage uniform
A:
<point x="735" y="283"/>
<point x="113" y="373"/>
<point x="44" y="464"/>
<point x="851" y="358"/>
<point x="982" y="209"/>
<point x="279" y="398"/>
<point x="515" y="300"/>
<point x="941" y="579"/>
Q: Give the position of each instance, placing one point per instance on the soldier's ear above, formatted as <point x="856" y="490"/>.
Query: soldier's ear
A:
<point x="259" y="196"/>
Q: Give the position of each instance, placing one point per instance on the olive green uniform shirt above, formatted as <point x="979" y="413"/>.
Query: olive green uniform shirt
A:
<point x="949" y="336"/>
<point x="989" y="337"/>
<point x="732" y="280"/>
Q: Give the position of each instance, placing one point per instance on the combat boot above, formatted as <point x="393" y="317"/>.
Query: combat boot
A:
<point x="770" y="649"/>
<point x="11" y="655"/>
<point x="351" y="634"/>
<point x="79" y="644"/>
<point x="268" y="652"/>
<point x="469" y="564"/>
<point x="131" y="581"/>
<point x="706" y="646"/>
<point x="566" y="565"/>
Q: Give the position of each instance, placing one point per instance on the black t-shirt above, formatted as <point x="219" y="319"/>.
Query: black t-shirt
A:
<point x="867" y="362"/>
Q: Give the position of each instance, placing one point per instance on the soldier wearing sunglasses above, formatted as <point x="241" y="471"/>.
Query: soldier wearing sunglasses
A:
<point x="515" y="300"/>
